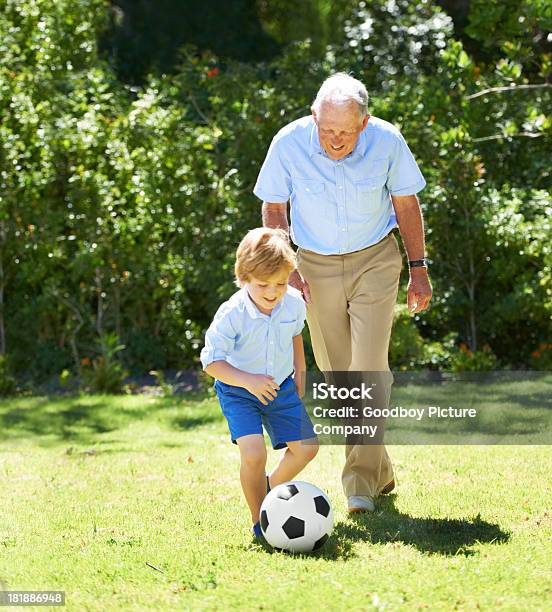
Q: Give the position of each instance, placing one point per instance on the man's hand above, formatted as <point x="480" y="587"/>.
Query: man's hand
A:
<point x="297" y="281"/>
<point x="411" y="225"/>
<point x="419" y="290"/>
<point x="262" y="387"/>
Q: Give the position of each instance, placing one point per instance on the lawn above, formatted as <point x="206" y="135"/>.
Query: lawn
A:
<point x="133" y="503"/>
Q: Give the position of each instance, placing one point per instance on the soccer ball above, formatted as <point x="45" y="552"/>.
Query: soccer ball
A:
<point x="296" y="516"/>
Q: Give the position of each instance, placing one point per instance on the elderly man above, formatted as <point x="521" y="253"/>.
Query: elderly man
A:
<point x="350" y="179"/>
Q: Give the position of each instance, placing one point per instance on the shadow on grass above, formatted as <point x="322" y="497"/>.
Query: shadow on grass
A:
<point x="512" y="428"/>
<point x="535" y="399"/>
<point x="189" y="421"/>
<point x="82" y="421"/>
<point x="78" y="421"/>
<point x="338" y="548"/>
<point x="447" y="537"/>
<point x="512" y="408"/>
<point x="428" y="535"/>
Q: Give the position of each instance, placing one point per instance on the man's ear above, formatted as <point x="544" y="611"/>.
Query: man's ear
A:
<point x="314" y="115"/>
<point x="365" y="122"/>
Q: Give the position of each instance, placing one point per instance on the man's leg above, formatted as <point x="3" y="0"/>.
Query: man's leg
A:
<point x="336" y="324"/>
<point x="372" y="278"/>
<point x="327" y="315"/>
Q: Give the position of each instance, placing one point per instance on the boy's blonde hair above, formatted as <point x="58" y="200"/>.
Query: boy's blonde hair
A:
<point x="262" y="252"/>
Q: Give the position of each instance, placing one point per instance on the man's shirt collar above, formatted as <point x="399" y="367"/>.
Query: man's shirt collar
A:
<point x="315" y="146"/>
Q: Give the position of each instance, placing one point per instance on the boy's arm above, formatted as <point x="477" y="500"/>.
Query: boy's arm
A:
<point x="299" y="364"/>
<point x="262" y="387"/>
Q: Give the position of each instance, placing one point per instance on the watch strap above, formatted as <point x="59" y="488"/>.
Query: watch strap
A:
<point x="418" y="263"/>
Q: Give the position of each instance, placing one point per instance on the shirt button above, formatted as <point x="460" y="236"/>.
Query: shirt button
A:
<point x="342" y="229"/>
<point x="271" y="342"/>
<point x="340" y="186"/>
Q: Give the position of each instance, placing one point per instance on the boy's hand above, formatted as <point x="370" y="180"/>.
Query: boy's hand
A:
<point x="262" y="387"/>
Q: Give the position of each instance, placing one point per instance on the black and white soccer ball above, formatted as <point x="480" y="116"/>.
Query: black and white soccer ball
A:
<point x="296" y="516"/>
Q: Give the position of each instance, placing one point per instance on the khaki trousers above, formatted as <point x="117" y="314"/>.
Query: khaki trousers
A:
<point x="350" y="321"/>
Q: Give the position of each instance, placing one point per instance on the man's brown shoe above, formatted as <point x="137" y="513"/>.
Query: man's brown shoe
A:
<point x="388" y="488"/>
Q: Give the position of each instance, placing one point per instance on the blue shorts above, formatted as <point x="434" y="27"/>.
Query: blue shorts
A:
<point x="284" y="418"/>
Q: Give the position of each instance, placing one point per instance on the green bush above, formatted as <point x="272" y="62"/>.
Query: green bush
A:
<point x="144" y="351"/>
<point x="438" y="355"/>
<point x="541" y="357"/>
<point x="406" y="347"/>
<point x="465" y="360"/>
<point x="104" y="373"/>
<point x="122" y="207"/>
<point x="409" y="351"/>
<point x="7" y="381"/>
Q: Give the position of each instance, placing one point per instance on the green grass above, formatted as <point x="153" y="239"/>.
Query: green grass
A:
<point x="94" y="488"/>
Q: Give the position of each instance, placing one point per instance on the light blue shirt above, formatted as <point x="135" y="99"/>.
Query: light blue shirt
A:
<point x="339" y="206"/>
<point x="252" y="341"/>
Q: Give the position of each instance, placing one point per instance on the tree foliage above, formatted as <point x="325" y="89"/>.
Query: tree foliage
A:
<point x="121" y="206"/>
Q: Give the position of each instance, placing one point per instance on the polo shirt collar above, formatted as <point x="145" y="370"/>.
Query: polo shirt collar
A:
<point x="362" y="142"/>
<point x="252" y="309"/>
<point x="314" y="145"/>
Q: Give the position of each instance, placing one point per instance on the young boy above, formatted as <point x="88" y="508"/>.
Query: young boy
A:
<point x="254" y="350"/>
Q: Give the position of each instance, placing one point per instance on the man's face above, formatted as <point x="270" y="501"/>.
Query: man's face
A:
<point x="268" y="292"/>
<point x="339" y="126"/>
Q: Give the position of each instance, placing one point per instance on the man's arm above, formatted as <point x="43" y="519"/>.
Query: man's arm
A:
<point x="411" y="226"/>
<point x="275" y="215"/>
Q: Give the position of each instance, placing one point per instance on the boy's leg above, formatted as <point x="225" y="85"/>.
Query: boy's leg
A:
<point x="252" y="471"/>
<point x="288" y="425"/>
<point x="296" y="456"/>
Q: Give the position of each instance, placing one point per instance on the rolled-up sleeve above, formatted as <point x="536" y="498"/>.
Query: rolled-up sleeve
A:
<point x="404" y="176"/>
<point x="219" y="339"/>
<point x="274" y="180"/>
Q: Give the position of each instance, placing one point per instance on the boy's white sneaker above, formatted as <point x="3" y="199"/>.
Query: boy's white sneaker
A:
<point x="360" y="503"/>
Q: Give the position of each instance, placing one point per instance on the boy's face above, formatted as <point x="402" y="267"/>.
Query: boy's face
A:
<point x="268" y="292"/>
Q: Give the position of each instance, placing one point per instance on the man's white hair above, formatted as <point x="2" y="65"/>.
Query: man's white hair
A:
<point x="341" y="88"/>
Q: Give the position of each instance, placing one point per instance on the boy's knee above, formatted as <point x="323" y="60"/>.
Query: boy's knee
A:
<point x="311" y="451"/>
<point x="254" y="458"/>
<point x="307" y="452"/>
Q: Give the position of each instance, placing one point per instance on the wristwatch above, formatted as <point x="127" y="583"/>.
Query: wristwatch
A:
<point x="418" y="263"/>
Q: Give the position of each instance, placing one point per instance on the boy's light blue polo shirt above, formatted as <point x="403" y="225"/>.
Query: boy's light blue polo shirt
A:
<point x="252" y="341"/>
<point x="339" y="206"/>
